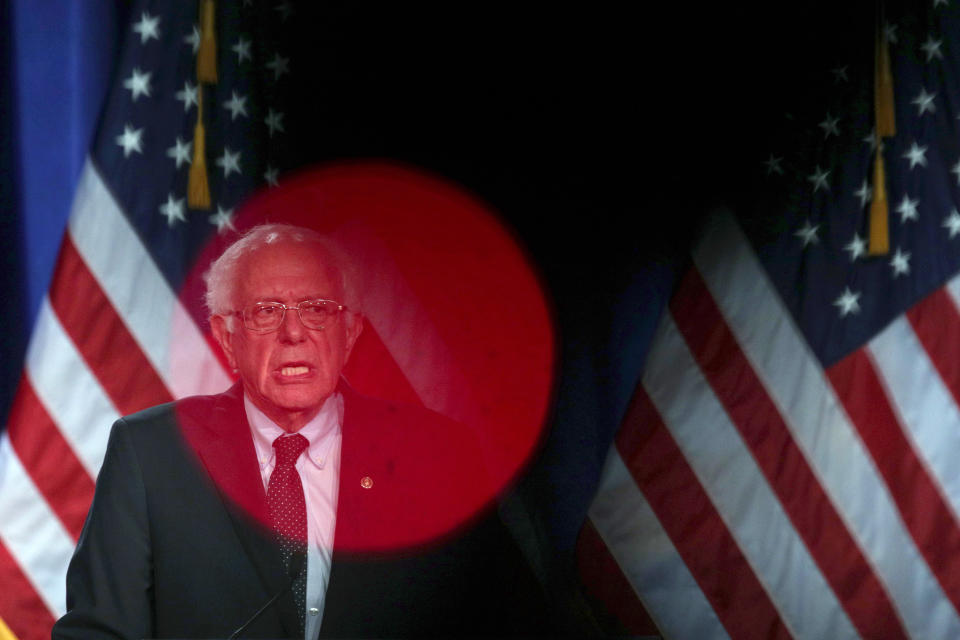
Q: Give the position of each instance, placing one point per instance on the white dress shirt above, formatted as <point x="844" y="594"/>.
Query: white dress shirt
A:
<point x="319" y="469"/>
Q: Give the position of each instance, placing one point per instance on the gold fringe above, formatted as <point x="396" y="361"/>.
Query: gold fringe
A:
<point x="883" y="88"/>
<point x="885" y="126"/>
<point x="5" y="632"/>
<point x="198" y="187"/>
<point x="879" y="241"/>
<point x="207" y="54"/>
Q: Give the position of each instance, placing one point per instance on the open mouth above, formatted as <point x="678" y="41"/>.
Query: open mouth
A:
<point x="293" y="370"/>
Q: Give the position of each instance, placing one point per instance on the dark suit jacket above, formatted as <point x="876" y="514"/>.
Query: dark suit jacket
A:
<point x="171" y="546"/>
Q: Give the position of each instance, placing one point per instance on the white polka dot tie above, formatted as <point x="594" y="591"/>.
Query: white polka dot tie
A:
<point x="288" y="511"/>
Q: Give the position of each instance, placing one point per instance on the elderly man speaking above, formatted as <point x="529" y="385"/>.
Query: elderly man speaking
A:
<point x="259" y="512"/>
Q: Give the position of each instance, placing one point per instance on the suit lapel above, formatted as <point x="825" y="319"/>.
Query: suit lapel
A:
<point x="225" y="447"/>
<point x="354" y="459"/>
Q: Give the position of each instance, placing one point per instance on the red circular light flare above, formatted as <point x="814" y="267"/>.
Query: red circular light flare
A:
<point x="455" y="321"/>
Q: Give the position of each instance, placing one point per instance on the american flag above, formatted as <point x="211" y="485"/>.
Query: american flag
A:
<point x="123" y="328"/>
<point x="113" y="334"/>
<point x="788" y="464"/>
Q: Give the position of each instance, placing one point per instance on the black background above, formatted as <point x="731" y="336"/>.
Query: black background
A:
<point x="601" y="133"/>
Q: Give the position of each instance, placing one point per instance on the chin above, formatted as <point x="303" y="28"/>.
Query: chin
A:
<point x="299" y="400"/>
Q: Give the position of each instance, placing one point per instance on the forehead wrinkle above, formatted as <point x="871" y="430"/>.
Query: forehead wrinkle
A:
<point x="286" y="286"/>
<point x="288" y="300"/>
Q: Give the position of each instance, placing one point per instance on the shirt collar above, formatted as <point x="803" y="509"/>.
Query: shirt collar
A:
<point x="322" y="431"/>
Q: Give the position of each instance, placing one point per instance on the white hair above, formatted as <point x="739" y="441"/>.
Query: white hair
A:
<point x="221" y="277"/>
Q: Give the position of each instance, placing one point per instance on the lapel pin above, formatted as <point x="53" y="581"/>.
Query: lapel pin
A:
<point x="366" y="482"/>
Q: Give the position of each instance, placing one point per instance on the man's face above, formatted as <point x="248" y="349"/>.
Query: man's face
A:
<point x="288" y="373"/>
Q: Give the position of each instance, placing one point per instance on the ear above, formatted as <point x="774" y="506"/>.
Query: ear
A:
<point x="224" y="337"/>
<point x="354" y="327"/>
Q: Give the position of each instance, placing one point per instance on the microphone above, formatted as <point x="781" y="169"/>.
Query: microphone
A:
<point x="296" y="564"/>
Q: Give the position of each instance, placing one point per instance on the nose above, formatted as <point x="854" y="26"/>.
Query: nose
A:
<point x="291" y="329"/>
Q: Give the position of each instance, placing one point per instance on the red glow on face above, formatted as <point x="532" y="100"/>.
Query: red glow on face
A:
<point x="287" y="373"/>
<point x="454" y="321"/>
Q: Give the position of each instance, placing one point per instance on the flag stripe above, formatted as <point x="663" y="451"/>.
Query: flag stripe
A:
<point x="924" y="406"/>
<point x="784" y="465"/>
<point x="20" y="608"/>
<point x="607" y="585"/>
<point x="391" y="306"/>
<point x="634" y="537"/>
<point x="796" y="381"/>
<point x="738" y="489"/>
<point x="936" y="322"/>
<point x="926" y="515"/>
<point x="696" y="529"/>
<point x="139" y="292"/>
<point x="49" y="460"/>
<point x="40" y="544"/>
<point x="388" y="379"/>
<point x="99" y="335"/>
<point x="71" y="395"/>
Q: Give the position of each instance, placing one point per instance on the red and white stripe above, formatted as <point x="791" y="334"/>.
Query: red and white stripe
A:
<point x="112" y="338"/>
<point x="107" y="298"/>
<point x="795" y="501"/>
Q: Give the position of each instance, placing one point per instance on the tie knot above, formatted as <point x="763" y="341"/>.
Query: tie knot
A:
<point x="289" y="448"/>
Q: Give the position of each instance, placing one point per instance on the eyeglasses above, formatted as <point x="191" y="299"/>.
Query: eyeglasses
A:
<point x="264" y="317"/>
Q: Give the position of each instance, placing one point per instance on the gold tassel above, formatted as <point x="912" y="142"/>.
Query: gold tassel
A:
<point x="198" y="187"/>
<point x="207" y="54"/>
<point x="879" y="213"/>
<point x="883" y="88"/>
<point x="879" y="234"/>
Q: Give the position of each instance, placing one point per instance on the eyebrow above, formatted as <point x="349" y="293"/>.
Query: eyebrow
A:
<point x="302" y="299"/>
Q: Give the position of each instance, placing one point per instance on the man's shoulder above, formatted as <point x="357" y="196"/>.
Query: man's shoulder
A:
<point x="404" y="427"/>
<point x="368" y="409"/>
<point x="197" y="409"/>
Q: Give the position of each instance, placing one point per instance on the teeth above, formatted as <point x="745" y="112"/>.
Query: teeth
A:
<point x="293" y="371"/>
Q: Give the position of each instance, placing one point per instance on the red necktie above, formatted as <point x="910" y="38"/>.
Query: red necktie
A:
<point x="288" y="512"/>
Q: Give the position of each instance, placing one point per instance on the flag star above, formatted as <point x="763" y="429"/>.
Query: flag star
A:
<point x="829" y="126"/>
<point x="173" y="210"/>
<point x="279" y="65"/>
<point x="808" y="233"/>
<point x="242" y="49"/>
<point x="857" y="247"/>
<point x="130" y="140"/>
<point x="229" y="161"/>
<point x="952" y="223"/>
<point x="900" y="262"/>
<point x="285" y="9"/>
<point x="188" y="95"/>
<point x="865" y="193"/>
<point x="148" y="27"/>
<point x="773" y="164"/>
<point x="955" y="169"/>
<point x="193" y="39"/>
<point x="819" y="179"/>
<point x="932" y="48"/>
<point x="917" y="155"/>
<point x="840" y="74"/>
<point x="907" y="209"/>
<point x="274" y="121"/>
<point x="138" y="83"/>
<point x="223" y="219"/>
<point x="890" y="31"/>
<point x="236" y="105"/>
<point x="848" y="302"/>
<point x="180" y="152"/>
<point x="270" y="175"/>
<point x="924" y="102"/>
<point x="871" y="140"/>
